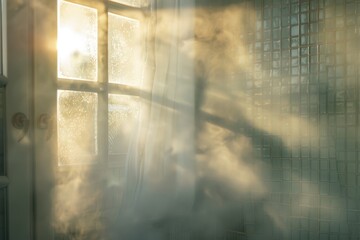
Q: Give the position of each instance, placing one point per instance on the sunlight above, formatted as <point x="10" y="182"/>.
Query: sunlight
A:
<point x="70" y="43"/>
<point x="77" y="43"/>
<point x="232" y="117"/>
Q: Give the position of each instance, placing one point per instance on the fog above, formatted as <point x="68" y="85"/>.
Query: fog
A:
<point x="247" y="129"/>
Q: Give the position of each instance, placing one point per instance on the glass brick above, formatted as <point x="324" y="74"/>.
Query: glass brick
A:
<point x="285" y="43"/>
<point x="313" y="16"/>
<point x="304" y="29"/>
<point x="304" y="7"/>
<point x="276" y="11"/>
<point x="285" y="32"/>
<point x="294" y="31"/>
<point x="285" y="21"/>
<point x="294" y="8"/>
<point x="304" y="18"/>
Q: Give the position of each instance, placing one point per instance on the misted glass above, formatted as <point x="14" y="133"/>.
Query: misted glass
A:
<point x="124" y="50"/>
<point x="77" y="127"/>
<point x="77" y="42"/>
<point x="123" y="119"/>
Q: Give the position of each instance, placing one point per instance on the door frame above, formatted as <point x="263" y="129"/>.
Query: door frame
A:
<point x="19" y="97"/>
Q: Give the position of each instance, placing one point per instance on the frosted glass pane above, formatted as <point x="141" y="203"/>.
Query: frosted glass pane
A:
<point x="77" y="42"/>
<point x="124" y="45"/>
<point x="77" y="126"/>
<point x="123" y="119"/>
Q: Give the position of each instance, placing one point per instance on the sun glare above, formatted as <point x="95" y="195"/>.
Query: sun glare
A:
<point x="69" y="43"/>
<point x="77" y="42"/>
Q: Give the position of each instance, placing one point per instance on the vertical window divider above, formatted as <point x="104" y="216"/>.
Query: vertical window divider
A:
<point x="103" y="82"/>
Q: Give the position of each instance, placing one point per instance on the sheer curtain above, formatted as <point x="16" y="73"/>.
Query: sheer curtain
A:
<point x="161" y="166"/>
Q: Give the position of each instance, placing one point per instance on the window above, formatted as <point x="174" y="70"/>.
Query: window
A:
<point x="99" y="74"/>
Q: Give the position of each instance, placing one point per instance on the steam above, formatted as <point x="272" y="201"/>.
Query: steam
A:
<point x="212" y="152"/>
<point x="76" y="206"/>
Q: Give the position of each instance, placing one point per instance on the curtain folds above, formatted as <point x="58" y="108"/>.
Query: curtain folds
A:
<point x="160" y="168"/>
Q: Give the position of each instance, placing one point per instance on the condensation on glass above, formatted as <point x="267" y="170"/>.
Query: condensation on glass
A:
<point x="2" y="132"/>
<point x="77" y="127"/>
<point x="3" y="213"/>
<point x="123" y="118"/>
<point x="124" y="50"/>
<point x="77" y="42"/>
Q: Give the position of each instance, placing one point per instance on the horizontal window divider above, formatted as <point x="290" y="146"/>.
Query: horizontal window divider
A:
<point x="148" y="97"/>
<point x="99" y="5"/>
<point x="83" y="166"/>
<point x="121" y="6"/>
<point x="114" y="88"/>
<point x="79" y="85"/>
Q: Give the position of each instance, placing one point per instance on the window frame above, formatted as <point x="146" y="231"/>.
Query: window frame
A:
<point x="102" y="87"/>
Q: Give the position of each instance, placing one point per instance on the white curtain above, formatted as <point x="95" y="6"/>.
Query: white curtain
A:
<point x="161" y="165"/>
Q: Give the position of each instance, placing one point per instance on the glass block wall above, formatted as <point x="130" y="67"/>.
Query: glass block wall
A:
<point x="301" y="94"/>
<point x="306" y="60"/>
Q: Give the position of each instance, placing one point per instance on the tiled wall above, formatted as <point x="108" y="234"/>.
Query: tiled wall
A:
<point x="306" y="60"/>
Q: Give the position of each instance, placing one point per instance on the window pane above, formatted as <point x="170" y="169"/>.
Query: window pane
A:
<point x="124" y="50"/>
<point x="77" y="42"/>
<point x="123" y="119"/>
<point x="77" y="127"/>
<point x="3" y="213"/>
<point x="2" y="132"/>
